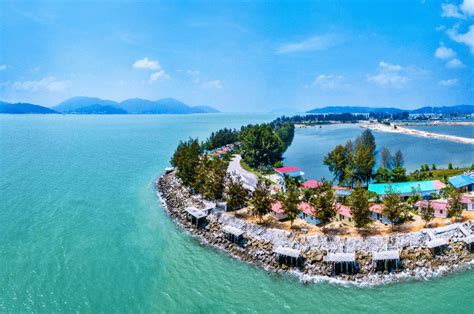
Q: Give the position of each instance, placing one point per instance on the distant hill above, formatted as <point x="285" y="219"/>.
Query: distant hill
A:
<point x="23" y="108"/>
<point x="72" y="104"/>
<point x="99" y="109"/>
<point x="465" y="109"/>
<point x="84" y="105"/>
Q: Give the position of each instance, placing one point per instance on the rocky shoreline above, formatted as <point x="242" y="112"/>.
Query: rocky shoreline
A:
<point x="417" y="260"/>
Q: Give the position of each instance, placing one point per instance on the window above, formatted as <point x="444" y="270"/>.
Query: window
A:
<point x="441" y="211"/>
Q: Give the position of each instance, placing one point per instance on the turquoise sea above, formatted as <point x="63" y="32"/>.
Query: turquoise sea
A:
<point x="81" y="229"/>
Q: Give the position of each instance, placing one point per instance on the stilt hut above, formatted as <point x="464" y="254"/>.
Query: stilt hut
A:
<point x="196" y="216"/>
<point x="437" y="245"/>
<point x="288" y="256"/>
<point x="386" y="261"/>
<point x="342" y="263"/>
<point x="469" y="240"/>
<point x="233" y="234"/>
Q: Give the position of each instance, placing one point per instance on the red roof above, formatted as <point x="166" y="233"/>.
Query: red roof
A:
<point x="343" y="210"/>
<point x="276" y="207"/>
<point x="311" y="184"/>
<point x="287" y="169"/>
<point x="376" y="208"/>
<point x="306" y="208"/>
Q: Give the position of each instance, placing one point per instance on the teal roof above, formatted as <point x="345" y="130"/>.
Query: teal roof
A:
<point x="461" y="181"/>
<point x="406" y="187"/>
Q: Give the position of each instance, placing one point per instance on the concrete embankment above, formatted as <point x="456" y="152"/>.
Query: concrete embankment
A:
<point x="417" y="260"/>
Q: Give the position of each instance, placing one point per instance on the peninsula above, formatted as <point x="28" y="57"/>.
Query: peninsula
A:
<point x="366" y="227"/>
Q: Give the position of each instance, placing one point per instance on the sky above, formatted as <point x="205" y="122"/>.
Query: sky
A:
<point x="253" y="56"/>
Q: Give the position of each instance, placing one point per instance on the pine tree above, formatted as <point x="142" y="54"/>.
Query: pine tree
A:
<point x="359" y="202"/>
<point x="261" y="200"/>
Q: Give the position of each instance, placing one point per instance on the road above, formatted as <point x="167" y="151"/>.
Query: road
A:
<point x="250" y="179"/>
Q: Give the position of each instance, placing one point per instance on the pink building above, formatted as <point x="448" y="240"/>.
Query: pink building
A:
<point x="343" y="213"/>
<point x="440" y="207"/>
<point x="311" y="184"/>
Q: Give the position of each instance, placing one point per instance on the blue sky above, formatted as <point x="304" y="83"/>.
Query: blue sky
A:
<point x="240" y="55"/>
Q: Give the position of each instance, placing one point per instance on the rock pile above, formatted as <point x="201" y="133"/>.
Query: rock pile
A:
<point x="257" y="248"/>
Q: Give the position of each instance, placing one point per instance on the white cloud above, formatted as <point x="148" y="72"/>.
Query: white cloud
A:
<point x="50" y="84"/>
<point x="311" y="44"/>
<point x="454" y="64"/>
<point x="466" y="38"/>
<point x="145" y="63"/>
<point x="451" y="10"/>
<point x="389" y="75"/>
<point x="327" y="81"/>
<point x="440" y="28"/>
<point x="217" y="84"/>
<point x="468" y="7"/>
<point x="3" y="67"/>
<point x="448" y="83"/>
<point x="158" y="76"/>
<point x="444" y="53"/>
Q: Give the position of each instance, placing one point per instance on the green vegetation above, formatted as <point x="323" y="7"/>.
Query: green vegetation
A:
<point x="289" y="201"/>
<point x="359" y="202"/>
<point x="186" y="159"/>
<point x="210" y="178"/>
<point x="394" y="208"/>
<point x="323" y="201"/>
<point x="454" y="202"/>
<point x="353" y="164"/>
<point x="261" y="200"/>
<point x="424" y="173"/>
<point x="236" y="195"/>
<point x="221" y="138"/>
<point x="426" y="213"/>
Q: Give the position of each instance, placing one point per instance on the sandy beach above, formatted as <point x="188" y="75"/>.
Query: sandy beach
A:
<point x="398" y="129"/>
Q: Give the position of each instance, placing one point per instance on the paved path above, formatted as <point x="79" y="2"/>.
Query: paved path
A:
<point x="250" y="179"/>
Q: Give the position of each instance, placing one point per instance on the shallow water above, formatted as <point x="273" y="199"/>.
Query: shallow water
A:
<point x="457" y="130"/>
<point x="81" y="229"/>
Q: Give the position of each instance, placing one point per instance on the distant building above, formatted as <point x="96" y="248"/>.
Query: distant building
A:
<point x="468" y="200"/>
<point x="311" y="184"/>
<point x="406" y="189"/>
<point x="342" y="190"/>
<point x="463" y="183"/>
<point x="277" y="211"/>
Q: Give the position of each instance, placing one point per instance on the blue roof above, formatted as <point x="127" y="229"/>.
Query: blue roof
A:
<point x="406" y="187"/>
<point x="461" y="181"/>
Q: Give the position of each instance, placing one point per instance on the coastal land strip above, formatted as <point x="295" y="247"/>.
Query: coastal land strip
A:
<point x="418" y="261"/>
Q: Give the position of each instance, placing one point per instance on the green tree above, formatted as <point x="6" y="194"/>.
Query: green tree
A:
<point x="386" y="158"/>
<point x="398" y="160"/>
<point x="393" y="206"/>
<point x="185" y="159"/>
<point x="433" y="167"/>
<point x="454" y="203"/>
<point x="338" y="160"/>
<point x="261" y="200"/>
<point x="399" y="174"/>
<point x="359" y="202"/>
<point x="289" y="202"/>
<point x="382" y="175"/>
<point x="364" y="157"/>
<point x="220" y="138"/>
<point x="323" y="201"/>
<point x="260" y="146"/>
<point x="426" y="213"/>
<point x="236" y="194"/>
<point x="210" y="178"/>
<point x="450" y="166"/>
<point x="414" y="198"/>
<point x="286" y="132"/>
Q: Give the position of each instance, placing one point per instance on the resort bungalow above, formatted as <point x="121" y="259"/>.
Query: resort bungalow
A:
<point x="196" y="216"/>
<point x="233" y="234"/>
<point x="437" y="246"/>
<point x="289" y="171"/>
<point x="307" y="213"/>
<point x="342" y="263"/>
<point x="467" y="200"/>
<point x="342" y="190"/>
<point x="288" y="256"/>
<point x="311" y="184"/>
<point x="463" y="183"/>
<point x="406" y="189"/>
<point x="344" y="214"/>
<point x="440" y="207"/>
<point x="376" y="213"/>
<point x="386" y="261"/>
<point x="277" y="211"/>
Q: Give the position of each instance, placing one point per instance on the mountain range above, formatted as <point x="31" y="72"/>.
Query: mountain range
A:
<point x="93" y="105"/>
<point x="463" y="109"/>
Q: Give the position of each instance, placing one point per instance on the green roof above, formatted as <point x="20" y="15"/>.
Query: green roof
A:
<point x="407" y="187"/>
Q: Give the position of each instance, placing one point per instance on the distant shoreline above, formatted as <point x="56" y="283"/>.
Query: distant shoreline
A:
<point x="397" y="129"/>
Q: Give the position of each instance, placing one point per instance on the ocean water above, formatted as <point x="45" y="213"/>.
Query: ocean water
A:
<point x="81" y="229"/>
<point x="311" y="145"/>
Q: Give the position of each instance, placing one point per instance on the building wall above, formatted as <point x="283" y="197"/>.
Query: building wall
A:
<point x="383" y="219"/>
<point x="443" y="213"/>
<point x="344" y="219"/>
<point x="309" y="219"/>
